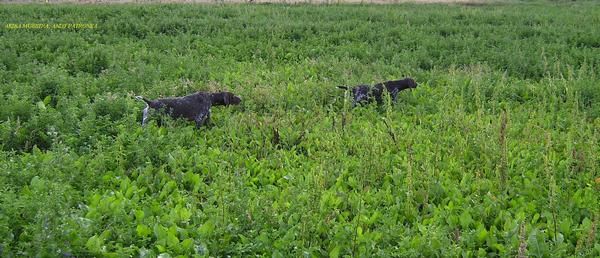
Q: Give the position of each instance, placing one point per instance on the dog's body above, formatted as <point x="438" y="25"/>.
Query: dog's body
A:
<point x="194" y="107"/>
<point x="365" y="93"/>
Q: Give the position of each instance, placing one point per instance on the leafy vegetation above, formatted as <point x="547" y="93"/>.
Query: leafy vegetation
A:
<point x="494" y="154"/>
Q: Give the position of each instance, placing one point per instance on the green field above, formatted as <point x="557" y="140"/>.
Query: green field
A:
<point x="495" y="154"/>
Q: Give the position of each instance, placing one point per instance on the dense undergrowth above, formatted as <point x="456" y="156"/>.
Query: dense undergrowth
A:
<point x="494" y="154"/>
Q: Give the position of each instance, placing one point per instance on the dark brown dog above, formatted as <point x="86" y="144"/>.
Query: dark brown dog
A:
<point x="365" y="93"/>
<point x="194" y="107"/>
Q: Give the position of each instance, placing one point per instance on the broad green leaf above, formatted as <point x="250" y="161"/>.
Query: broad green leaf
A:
<point x="482" y="234"/>
<point x="139" y="215"/>
<point x="94" y="244"/>
<point x="207" y="228"/>
<point x="335" y="252"/>
<point x="465" y="219"/>
<point x="143" y="230"/>
<point x="187" y="244"/>
<point x="47" y="100"/>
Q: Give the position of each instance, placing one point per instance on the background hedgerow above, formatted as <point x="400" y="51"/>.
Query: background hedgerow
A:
<point x="494" y="154"/>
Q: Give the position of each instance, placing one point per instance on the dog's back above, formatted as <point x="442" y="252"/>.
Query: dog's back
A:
<point x="364" y="93"/>
<point x="194" y="107"/>
<point x="187" y="106"/>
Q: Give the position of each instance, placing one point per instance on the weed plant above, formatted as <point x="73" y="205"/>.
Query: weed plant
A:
<point x="494" y="154"/>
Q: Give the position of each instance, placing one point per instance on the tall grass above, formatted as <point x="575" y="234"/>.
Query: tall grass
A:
<point x="494" y="154"/>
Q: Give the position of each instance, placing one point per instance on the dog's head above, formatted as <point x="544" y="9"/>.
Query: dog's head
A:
<point x="225" y="98"/>
<point x="410" y="82"/>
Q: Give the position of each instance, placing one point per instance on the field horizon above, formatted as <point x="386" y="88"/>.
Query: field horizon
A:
<point x="260" y="1"/>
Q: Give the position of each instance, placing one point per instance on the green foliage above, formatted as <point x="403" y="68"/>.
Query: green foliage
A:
<point x="294" y="170"/>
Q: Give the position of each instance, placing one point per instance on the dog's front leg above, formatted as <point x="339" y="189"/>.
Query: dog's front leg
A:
<point x="202" y="118"/>
<point x="145" y="116"/>
<point x="394" y="94"/>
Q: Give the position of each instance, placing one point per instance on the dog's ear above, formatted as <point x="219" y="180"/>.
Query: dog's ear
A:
<point x="227" y="98"/>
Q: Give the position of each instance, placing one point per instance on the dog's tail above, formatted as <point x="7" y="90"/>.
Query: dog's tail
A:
<point x="343" y="87"/>
<point x="148" y="102"/>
